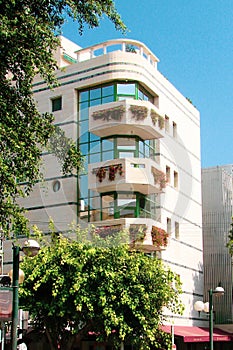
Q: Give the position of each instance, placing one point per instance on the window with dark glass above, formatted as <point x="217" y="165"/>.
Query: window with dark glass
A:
<point x="56" y="104"/>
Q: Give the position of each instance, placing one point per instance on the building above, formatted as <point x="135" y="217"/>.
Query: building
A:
<point x="217" y="197"/>
<point x="141" y="141"/>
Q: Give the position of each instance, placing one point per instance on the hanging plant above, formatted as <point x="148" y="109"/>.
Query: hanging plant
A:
<point x="160" y="179"/>
<point x="159" y="237"/>
<point x="101" y="174"/>
<point x="112" y="171"/>
<point x="115" y="113"/>
<point x="139" y="112"/>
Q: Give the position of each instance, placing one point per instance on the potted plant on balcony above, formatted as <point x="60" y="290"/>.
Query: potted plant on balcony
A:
<point x="159" y="237"/>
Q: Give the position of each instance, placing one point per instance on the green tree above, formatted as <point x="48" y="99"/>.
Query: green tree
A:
<point x="28" y="37"/>
<point x="230" y="242"/>
<point x="99" y="286"/>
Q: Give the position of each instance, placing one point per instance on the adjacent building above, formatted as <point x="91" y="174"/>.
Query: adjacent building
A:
<point x="217" y="197"/>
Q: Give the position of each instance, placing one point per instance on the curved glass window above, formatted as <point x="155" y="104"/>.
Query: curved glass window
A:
<point x="117" y="205"/>
<point x="95" y="149"/>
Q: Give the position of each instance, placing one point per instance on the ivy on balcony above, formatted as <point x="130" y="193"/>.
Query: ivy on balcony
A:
<point x="137" y="233"/>
<point x="114" y="113"/>
<point x="159" y="178"/>
<point x="105" y="231"/>
<point x="159" y="237"/>
<point x="161" y="122"/>
<point x="138" y="112"/>
<point x="155" y="117"/>
<point x="112" y="170"/>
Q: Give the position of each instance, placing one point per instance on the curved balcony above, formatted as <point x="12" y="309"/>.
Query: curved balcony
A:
<point x="115" y="45"/>
<point x="128" y="174"/>
<point x="127" y="117"/>
<point x="144" y="234"/>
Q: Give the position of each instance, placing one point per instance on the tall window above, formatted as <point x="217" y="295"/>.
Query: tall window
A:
<point x="96" y="149"/>
<point x="174" y="130"/>
<point x="167" y="126"/>
<point x="168" y="174"/>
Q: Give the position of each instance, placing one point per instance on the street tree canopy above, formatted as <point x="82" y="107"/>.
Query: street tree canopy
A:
<point x="230" y="242"/>
<point x="28" y="37"/>
<point x="74" y="288"/>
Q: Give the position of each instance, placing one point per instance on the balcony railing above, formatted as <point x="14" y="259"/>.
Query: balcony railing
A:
<point x="123" y="45"/>
<point x="127" y="117"/>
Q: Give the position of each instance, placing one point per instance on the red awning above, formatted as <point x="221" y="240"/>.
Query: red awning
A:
<point x="197" y="334"/>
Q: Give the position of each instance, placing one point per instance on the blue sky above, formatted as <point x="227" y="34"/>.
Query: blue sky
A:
<point x="194" y="42"/>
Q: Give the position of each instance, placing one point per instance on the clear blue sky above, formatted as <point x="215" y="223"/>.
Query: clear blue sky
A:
<point x="194" y="42"/>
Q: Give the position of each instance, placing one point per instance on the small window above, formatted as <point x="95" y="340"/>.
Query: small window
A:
<point x="174" y="129"/>
<point x="175" y="179"/>
<point x="56" y="104"/>
<point x="177" y="230"/>
<point x="169" y="226"/>
<point x="168" y="174"/>
<point x="166" y="123"/>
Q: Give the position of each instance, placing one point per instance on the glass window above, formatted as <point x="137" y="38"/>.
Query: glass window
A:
<point x="83" y="186"/>
<point x="126" y="154"/>
<point x="107" y="99"/>
<point x="177" y="230"/>
<point x="95" y="147"/>
<point x="96" y="102"/>
<point x="126" y="143"/>
<point x="126" y="199"/>
<point x="83" y="96"/>
<point x="83" y="127"/>
<point x="84" y="148"/>
<point x="126" y="89"/>
<point x="94" y="137"/>
<point x="94" y="158"/>
<point x="168" y="174"/>
<point x="95" y="93"/>
<point x="107" y="144"/>
<point x="107" y="206"/>
<point x="83" y="111"/>
<point x="108" y="155"/>
<point x="108" y="90"/>
<point x="174" y="128"/>
<point x="56" y="104"/>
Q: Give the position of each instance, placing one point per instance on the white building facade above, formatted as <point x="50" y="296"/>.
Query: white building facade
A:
<point x="141" y="141"/>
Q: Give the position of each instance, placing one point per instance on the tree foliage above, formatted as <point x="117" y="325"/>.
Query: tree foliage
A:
<point x="99" y="286"/>
<point x="230" y="242"/>
<point x="28" y="37"/>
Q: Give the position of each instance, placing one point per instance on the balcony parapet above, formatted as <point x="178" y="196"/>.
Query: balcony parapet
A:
<point x="144" y="234"/>
<point x="127" y="117"/>
<point x="123" y="45"/>
<point x="128" y="174"/>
